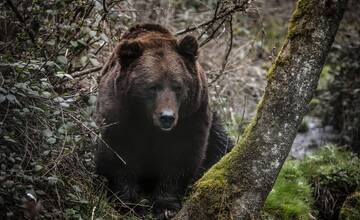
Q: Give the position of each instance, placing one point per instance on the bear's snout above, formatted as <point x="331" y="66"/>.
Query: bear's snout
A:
<point x="167" y="119"/>
<point x="165" y="113"/>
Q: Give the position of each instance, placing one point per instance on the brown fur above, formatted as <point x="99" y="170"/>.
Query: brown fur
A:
<point x="150" y="73"/>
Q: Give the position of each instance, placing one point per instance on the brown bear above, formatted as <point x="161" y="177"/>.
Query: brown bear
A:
<point x="158" y="134"/>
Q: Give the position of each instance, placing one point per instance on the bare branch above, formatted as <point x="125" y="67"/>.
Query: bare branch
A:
<point x="226" y="58"/>
<point x="219" y="15"/>
<point x="104" y="6"/>
<point x="85" y="72"/>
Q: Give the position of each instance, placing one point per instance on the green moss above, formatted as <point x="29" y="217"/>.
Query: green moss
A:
<point x="214" y="188"/>
<point x="351" y="207"/>
<point x="314" y="102"/>
<point x="316" y="108"/>
<point x="302" y="7"/>
<point x="334" y="172"/>
<point x="325" y="77"/>
<point x="304" y="127"/>
<point x="328" y="175"/>
<point x="298" y="28"/>
<point x="270" y="73"/>
<point x="297" y="25"/>
<point x="215" y="176"/>
<point x="282" y="59"/>
<point x="208" y="189"/>
<point x="331" y="160"/>
<point x="291" y="196"/>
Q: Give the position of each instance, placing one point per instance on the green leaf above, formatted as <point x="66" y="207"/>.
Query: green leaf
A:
<point x="38" y="168"/>
<point x="3" y="90"/>
<point x="60" y="75"/>
<point x="36" y="108"/>
<point x="68" y="76"/>
<point x="104" y="37"/>
<point x="65" y="104"/>
<point x="47" y="152"/>
<point x="47" y="133"/>
<point x="51" y="140"/>
<point x="92" y="100"/>
<point x="2" y="98"/>
<point x="46" y="94"/>
<point x="81" y="42"/>
<point x="11" y="98"/>
<point x="83" y="60"/>
<point x="94" y="62"/>
<point x="52" y="180"/>
<point x="76" y="188"/>
<point x="74" y="43"/>
<point x="92" y="33"/>
<point x="62" y="59"/>
<point x="9" y="139"/>
<point x="51" y="42"/>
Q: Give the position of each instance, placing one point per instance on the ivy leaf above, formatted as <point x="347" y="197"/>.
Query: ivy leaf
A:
<point x="38" y="168"/>
<point x="11" y="98"/>
<point x="62" y="59"/>
<point x="9" y="139"/>
<point x="83" y="60"/>
<point x="51" y="140"/>
<point x="46" y="94"/>
<point x="52" y="180"/>
<point x="47" y="133"/>
<point x="104" y="37"/>
<point x="68" y="76"/>
<point x="92" y="100"/>
<point x="94" y="62"/>
<point x="51" y="42"/>
<point x="3" y="90"/>
<point x="74" y="43"/>
<point x="2" y="98"/>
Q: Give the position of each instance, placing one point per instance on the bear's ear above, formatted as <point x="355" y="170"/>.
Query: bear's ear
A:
<point x="188" y="47"/>
<point x="128" y="51"/>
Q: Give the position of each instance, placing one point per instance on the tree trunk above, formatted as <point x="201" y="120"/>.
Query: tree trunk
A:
<point x="237" y="186"/>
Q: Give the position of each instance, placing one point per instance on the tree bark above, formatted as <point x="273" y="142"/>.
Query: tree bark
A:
<point x="237" y="186"/>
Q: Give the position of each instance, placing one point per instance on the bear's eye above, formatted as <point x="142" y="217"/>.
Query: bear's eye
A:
<point x="153" y="88"/>
<point x="177" y="89"/>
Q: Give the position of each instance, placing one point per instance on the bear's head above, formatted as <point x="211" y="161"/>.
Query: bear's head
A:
<point x="159" y="76"/>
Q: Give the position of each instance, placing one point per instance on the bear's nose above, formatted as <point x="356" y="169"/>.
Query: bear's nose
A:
<point x="167" y="119"/>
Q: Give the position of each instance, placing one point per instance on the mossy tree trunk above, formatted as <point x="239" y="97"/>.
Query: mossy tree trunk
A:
<point x="237" y="186"/>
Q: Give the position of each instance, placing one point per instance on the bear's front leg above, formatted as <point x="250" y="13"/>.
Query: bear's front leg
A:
<point x="168" y="194"/>
<point x="121" y="182"/>
<point x="125" y="191"/>
<point x="122" y="188"/>
<point x="167" y="200"/>
<point x="166" y="206"/>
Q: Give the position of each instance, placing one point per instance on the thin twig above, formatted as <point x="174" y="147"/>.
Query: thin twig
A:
<point x="94" y="133"/>
<point x="212" y="34"/>
<point x="214" y="18"/>
<point x="226" y="58"/>
<point x="104" y="6"/>
<point x="85" y="72"/>
<point x="236" y="8"/>
<point x="93" y="213"/>
<point x="82" y="73"/>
